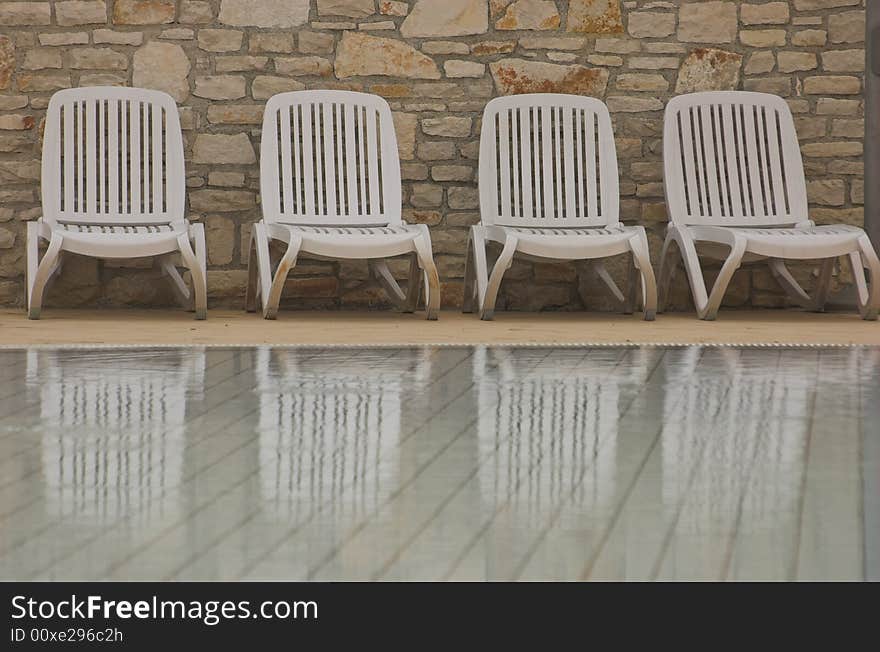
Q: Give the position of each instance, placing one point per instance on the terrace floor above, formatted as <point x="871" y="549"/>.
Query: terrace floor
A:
<point x="428" y="463"/>
<point x="237" y="328"/>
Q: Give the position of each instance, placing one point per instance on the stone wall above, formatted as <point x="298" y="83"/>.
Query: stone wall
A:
<point x="437" y="62"/>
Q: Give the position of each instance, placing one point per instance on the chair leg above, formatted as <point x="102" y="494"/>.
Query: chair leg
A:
<point x="733" y="262"/>
<point x="380" y="271"/>
<point x="642" y="262"/>
<point x="632" y="284"/>
<point x="33" y="259"/>
<point x="432" y="278"/>
<point x="605" y="276"/>
<point x="201" y="251"/>
<point x="505" y="260"/>
<point x="196" y="270"/>
<point x="39" y="274"/>
<point x="467" y="301"/>
<point x="707" y="304"/>
<point x="794" y="290"/>
<point x="788" y="283"/>
<point x="668" y="267"/>
<point x="273" y="297"/>
<point x="869" y="295"/>
<point x="823" y="285"/>
<point x="259" y="268"/>
<point x="476" y="277"/>
<point x="181" y="291"/>
<point x="413" y="285"/>
<point x="252" y="289"/>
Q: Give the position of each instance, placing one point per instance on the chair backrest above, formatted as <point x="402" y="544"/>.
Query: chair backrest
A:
<point x="113" y="155"/>
<point x="329" y="158"/>
<point x="548" y="160"/>
<point x="732" y="158"/>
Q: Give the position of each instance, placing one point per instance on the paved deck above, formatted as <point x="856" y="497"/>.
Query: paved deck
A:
<point x="235" y="328"/>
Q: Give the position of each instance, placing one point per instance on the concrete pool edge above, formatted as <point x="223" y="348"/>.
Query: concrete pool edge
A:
<point x="145" y="328"/>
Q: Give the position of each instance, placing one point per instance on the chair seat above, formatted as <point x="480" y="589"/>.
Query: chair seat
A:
<point x="569" y="242"/>
<point x="116" y="229"/>
<point x="353" y="231"/>
<point x="840" y="232"/>
<point x="352" y="241"/>
<point x="795" y="242"/>
<point x="118" y="240"/>
<point x="616" y="232"/>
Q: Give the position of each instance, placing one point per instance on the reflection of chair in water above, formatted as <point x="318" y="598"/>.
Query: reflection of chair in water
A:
<point x="734" y="444"/>
<point x="330" y="426"/>
<point x="547" y="433"/>
<point x="112" y="439"/>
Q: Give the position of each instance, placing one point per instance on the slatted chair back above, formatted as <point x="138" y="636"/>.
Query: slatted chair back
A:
<point x="329" y="158"/>
<point x="732" y="158"/>
<point x="548" y="161"/>
<point x="113" y="156"/>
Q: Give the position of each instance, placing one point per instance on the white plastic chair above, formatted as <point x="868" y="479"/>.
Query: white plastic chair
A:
<point x="330" y="187"/>
<point x="113" y="187"/>
<point x="735" y="184"/>
<point x="549" y="190"/>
